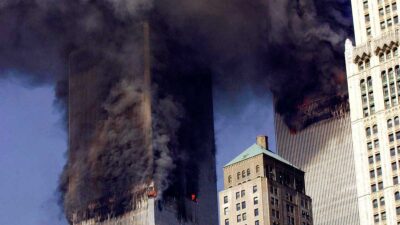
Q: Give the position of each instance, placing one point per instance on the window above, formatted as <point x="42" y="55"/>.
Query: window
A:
<point x="369" y="31"/>
<point x="225" y="199"/>
<point x="396" y="20"/>
<point x="397" y="135"/>
<point x="254" y="188"/>
<point x="387" y="9"/>
<point x="380" y="185"/>
<point x="248" y="172"/>
<point x="381" y="12"/>
<point x="379" y="171"/>
<point x="392" y="152"/>
<point x="394" y="6"/>
<point x="365" y="4"/>
<point x="372" y="173"/>
<point x="383" y="25"/>
<point x="369" y="145"/>
<point x="361" y="66"/>
<point x="375" y="203"/>
<point x="397" y="196"/>
<point x="256" y="222"/>
<point x="225" y="210"/>
<point x="389" y="23"/>
<point x="242" y="193"/>
<point x="381" y="56"/>
<point x="243" y="174"/>
<point x="378" y="157"/>
<point x="371" y="160"/>
<point x="388" y="54"/>
<point x="376" y="143"/>
<point x="396" y="121"/>
<point x="238" y="175"/>
<point x="237" y="206"/>
<point x="383" y="216"/>
<point x="226" y="221"/>
<point x="389" y="123"/>
<point x="257" y="168"/>
<point x="239" y="218"/>
<point x="237" y="195"/>
<point x="395" y="180"/>
<point x="367" y="19"/>
<point x="376" y="218"/>
<point x="255" y="212"/>
<point x="375" y="129"/>
<point x="391" y="138"/>
<point x="382" y="201"/>
<point x="368" y="131"/>
<point x="243" y="205"/>
<point x="229" y="179"/>
<point x="244" y="217"/>
<point x="397" y="210"/>
<point x="255" y="200"/>
<point x="394" y="166"/>
<point x="373" y="188"/>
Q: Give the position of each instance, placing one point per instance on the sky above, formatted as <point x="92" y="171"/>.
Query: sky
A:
<point x="33" y="146"/>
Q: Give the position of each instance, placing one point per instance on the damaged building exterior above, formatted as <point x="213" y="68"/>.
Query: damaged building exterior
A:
<point x="121" y="184"/>
<point x="324" y="150"/>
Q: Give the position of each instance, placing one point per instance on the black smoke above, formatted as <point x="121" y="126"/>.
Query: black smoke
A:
<point x="292" y="48"/>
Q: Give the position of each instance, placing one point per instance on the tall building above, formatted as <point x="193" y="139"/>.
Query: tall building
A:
<point x="262" y="188"/>
<point x="324" y="151"/>
<point x="373" y="77"/>
<point x="118" y="185"/>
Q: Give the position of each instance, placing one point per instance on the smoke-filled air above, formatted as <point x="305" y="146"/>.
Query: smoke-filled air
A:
<point x="93" y="52"/>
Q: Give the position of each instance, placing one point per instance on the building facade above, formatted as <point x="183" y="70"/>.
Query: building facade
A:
<point x="324" y="151"/>
<point x="373" y="77"/>
<point x="261" y="188"/>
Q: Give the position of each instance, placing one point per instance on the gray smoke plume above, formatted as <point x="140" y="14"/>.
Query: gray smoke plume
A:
<point x="292" y="48"/>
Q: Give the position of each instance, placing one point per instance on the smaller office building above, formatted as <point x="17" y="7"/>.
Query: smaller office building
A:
<point x="262" y="188"/>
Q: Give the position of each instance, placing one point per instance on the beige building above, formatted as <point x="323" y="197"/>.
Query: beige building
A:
<point x="373" y="76"/>
<point x="262" y="188"/>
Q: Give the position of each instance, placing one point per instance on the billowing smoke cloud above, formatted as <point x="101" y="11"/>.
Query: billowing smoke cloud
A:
<point x="292" y="48"/>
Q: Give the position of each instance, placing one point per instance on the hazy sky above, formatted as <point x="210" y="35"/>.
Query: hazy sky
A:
<point x="33" y="145"/>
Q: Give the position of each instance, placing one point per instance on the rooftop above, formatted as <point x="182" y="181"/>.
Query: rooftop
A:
<point x="255" y="150"/>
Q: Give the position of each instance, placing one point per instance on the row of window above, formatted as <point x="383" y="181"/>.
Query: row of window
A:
<point x="375" y="188"/>
<point x="388" y="55"/>
<point x="241" y="193"/>
<point x="391" y="136"/>
<point x="382" y="216"/>
<point x="390" y="86"/>
<point x="240" y="218"/>
<point x="243" y="174"/>
<point x="367" y="99"/>
<point x="374" y="130"/>
<point x="373" y="144"/>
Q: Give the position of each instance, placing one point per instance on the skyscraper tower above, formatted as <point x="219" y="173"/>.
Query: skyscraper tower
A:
<point x="117" y="184"/>
<point x="323" y="150"/>
<point x="373" y="77"/>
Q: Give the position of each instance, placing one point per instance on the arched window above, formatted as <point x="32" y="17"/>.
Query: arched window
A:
<point x="362" y="85"/>
<point x="238" y="175"/>
<point x="388" y="55"/>
<point x="391" y="75"/>
<point x="375" y="129"/>
<point x="381" y="57"/>
<point x="248" y="172"/>
<point x="367" y="63"/>
<point x="375" y="203"/>
<point x="257" y="168"/>
<point x="229" y="179"/>
<point x="397" y="196"/>
<point x="383" y="77"/>
<point x="396" y="121"/>
<point x="395" y="52"/>
<point x="360" y="66"/>
<point x="369" y="82"/>
<point x="382" y="201"/>
<point x="389" y="123"/>
<point x="368" y="131"/>
<point x="243" y="174"/>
